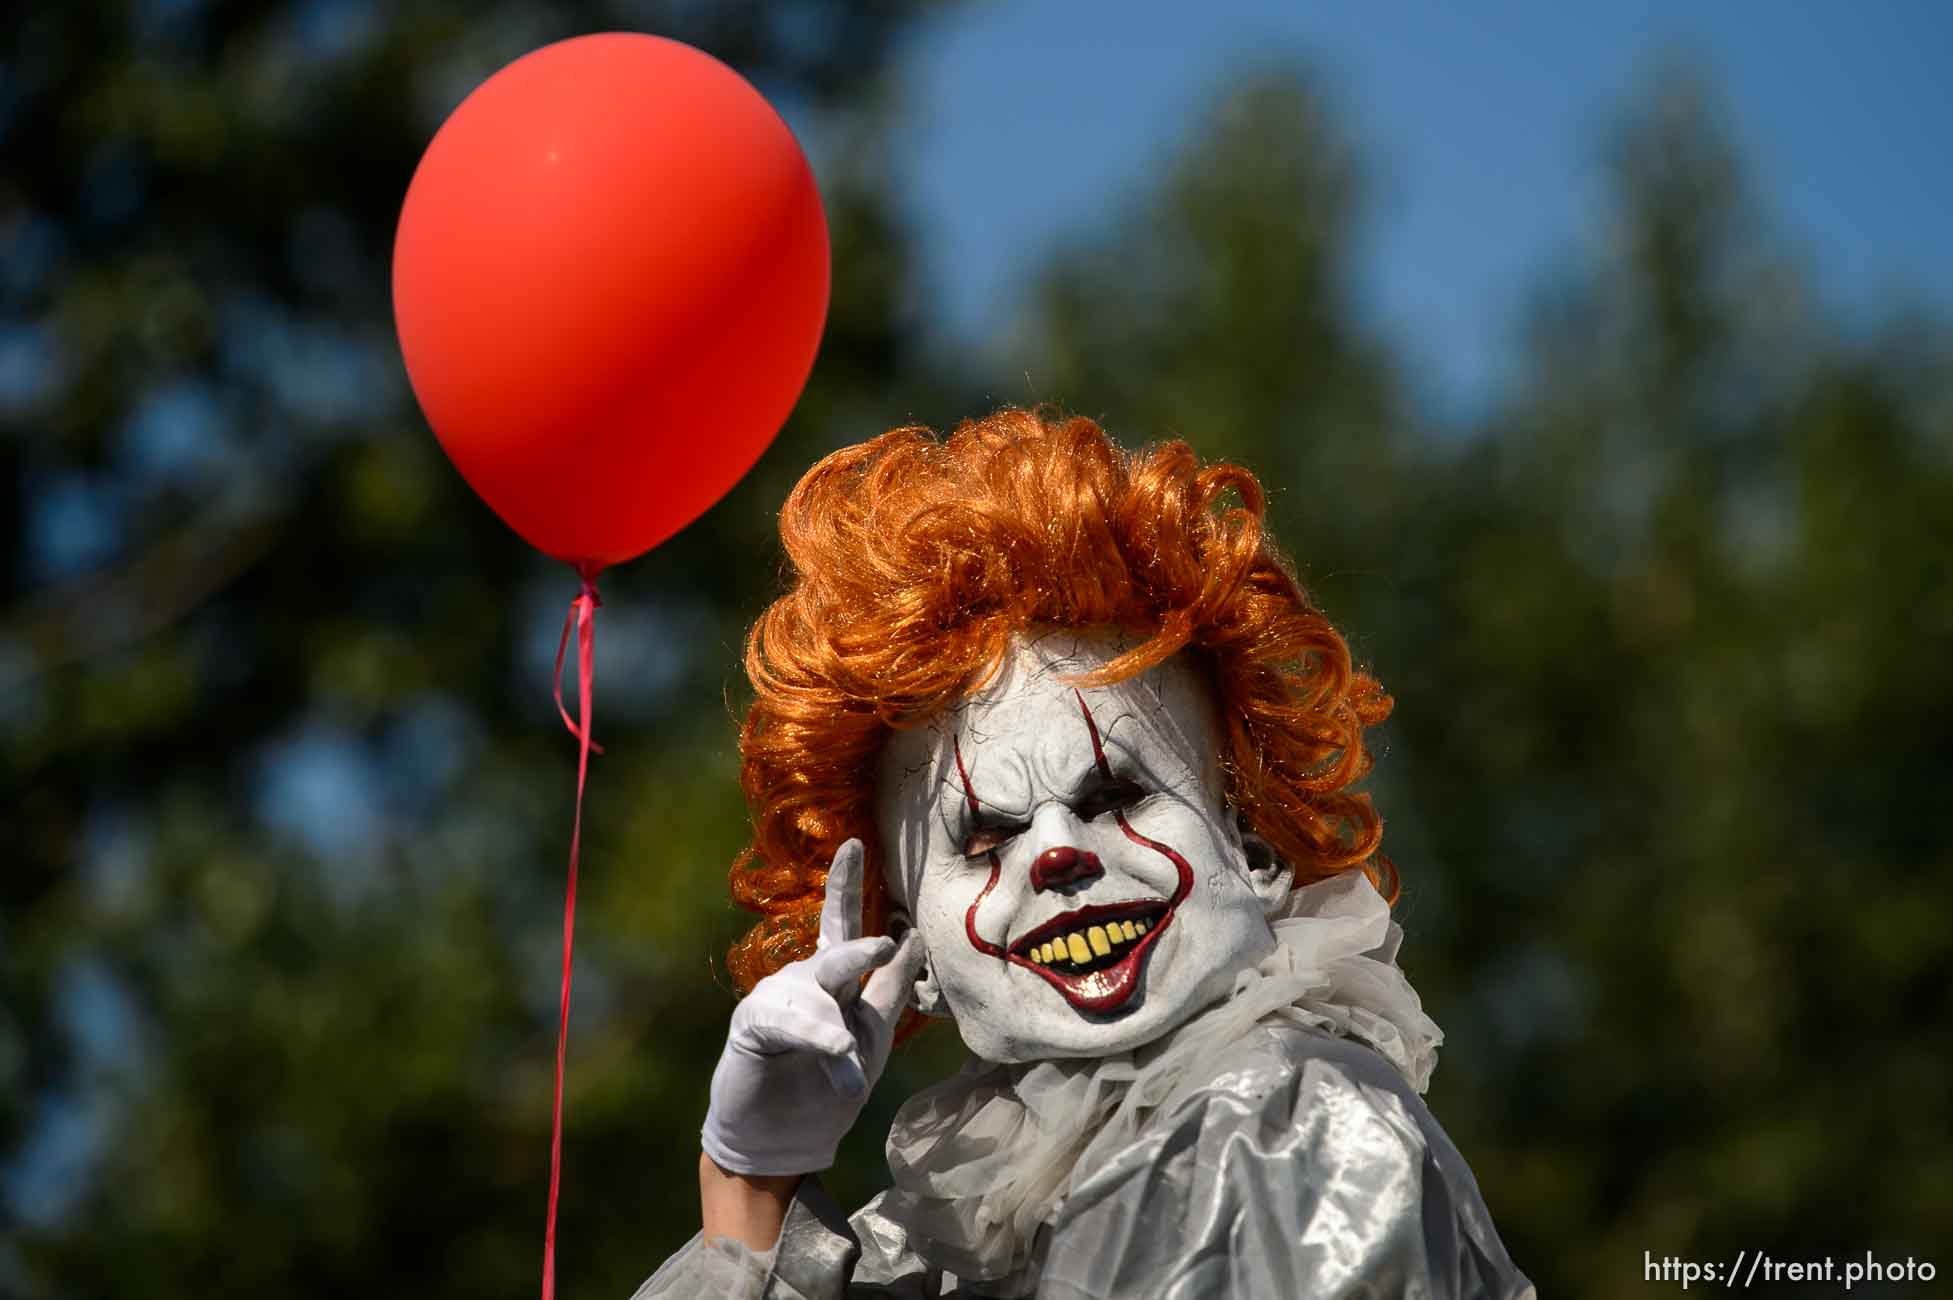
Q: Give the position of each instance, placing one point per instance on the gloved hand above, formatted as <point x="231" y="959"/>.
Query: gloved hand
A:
<point x="807" y="1044"/>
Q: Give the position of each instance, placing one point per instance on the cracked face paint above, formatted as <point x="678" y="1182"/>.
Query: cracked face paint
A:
<point x="1047" y="841"/>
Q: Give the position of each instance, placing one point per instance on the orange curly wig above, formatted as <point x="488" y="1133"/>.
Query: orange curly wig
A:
<point x="915" y="560"/>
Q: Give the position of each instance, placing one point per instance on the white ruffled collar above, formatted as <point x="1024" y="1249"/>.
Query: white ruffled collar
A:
<point x="983" y="1159"/>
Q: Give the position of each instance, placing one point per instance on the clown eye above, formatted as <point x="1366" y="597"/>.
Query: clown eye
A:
<point x="988" y="839"/>
<point x="1110" y="797"/>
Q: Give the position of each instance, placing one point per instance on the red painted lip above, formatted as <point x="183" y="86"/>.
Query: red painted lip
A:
<point x="1100" y="991"/>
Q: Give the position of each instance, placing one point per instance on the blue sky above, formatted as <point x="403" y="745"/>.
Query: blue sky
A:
<point x="1482" y="126"/>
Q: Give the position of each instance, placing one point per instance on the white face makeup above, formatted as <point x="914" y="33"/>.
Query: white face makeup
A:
<point x="1069" y="858"/>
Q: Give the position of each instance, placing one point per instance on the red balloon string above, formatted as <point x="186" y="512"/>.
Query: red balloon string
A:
<point x="580" y="616"/>
<point x="583" y="614"/>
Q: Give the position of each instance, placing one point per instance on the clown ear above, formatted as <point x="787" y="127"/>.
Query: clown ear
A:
<point x="1269" y="875"/>
<point x="928" y="995"/>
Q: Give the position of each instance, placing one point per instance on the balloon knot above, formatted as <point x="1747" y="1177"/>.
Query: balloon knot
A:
<point x="588" y="571"/>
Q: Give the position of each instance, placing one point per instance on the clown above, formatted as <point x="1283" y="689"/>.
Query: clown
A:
<point x="1049" y="742"/>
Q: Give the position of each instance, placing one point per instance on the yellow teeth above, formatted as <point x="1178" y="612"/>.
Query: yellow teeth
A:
<point x="1088" y="943"/>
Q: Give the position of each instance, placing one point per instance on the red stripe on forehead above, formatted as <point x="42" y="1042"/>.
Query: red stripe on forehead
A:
<point x="1098" y="750"/>
<point x="969" y="791"/>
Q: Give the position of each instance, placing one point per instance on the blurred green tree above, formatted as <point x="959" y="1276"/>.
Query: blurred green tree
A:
<point x="1667" y="637"/>
<point x="286" y="808"/>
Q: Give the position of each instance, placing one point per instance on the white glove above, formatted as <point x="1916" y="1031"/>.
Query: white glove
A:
<point x="807" y="1044"/>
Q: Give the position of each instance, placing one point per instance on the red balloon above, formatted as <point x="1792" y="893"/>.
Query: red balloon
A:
<point x="609" y="279"/>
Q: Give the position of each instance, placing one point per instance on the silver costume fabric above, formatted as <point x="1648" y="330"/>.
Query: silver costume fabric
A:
<point x="1273" y="1146"/>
